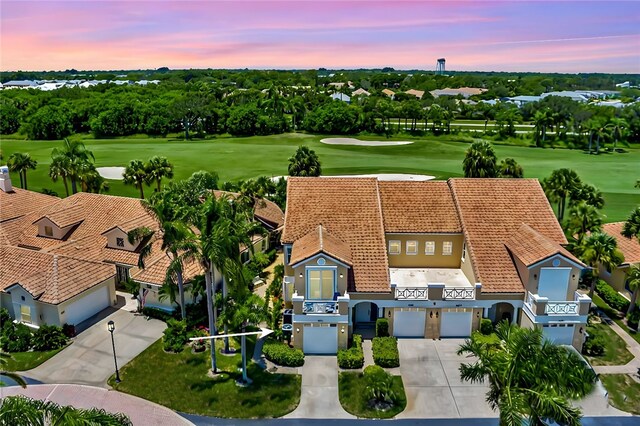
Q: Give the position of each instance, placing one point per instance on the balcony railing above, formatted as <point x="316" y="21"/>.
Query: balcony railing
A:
<point x="320" y="307"/>
<point x="561" y="308"/>
<point x="411" y="293"/>
<point x="459" y="293"/>
<point x="540" y="305"/>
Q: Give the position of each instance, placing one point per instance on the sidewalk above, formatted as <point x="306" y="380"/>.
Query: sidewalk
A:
<point x="633" y="366"/>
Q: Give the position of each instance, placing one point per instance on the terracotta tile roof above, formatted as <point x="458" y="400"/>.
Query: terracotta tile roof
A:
<point x="530" y="246"/>
<point x="491" y="210"/>
<point x="418" y="207"/>
<point x="351" y="210"/>
<point x="388" y="92"/>
<point x="264" y="210"/>
<point x="417" y="93"/>
<point x="320" y="241"/>
<point x="50" y="278"/>
<point x="69" y="214"/>
<point x="630" y="247"/>
<point x="20" y="202"/>
<point x="155" y="270"/>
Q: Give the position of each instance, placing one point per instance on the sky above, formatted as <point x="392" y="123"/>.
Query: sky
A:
<point x="559" y="36"/>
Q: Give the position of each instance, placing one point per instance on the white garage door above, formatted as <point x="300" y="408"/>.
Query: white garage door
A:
<point x="87" y="306"/>
<point x="409" y="323"/>
<point x="559" y="335"/>
<point x="455" y="324"/>
<point x="320" y="340"/>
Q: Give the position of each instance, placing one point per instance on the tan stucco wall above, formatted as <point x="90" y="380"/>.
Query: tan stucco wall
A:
<point x="534" y="276"/>
<point x="616" y="279"/>
<point x="153" y="297"/>
<point x="112" y="242"/>
<point x="419" y="260"/>
<point x="523" y="271"/>
<point x="467" y="268"/>
<point x="476" y="318"/>
<point x="300" y="282"/>
<point x="58" y="233"/>
<point x="525" y="322"/>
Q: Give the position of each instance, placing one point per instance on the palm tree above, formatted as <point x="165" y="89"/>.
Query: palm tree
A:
<point x="158" y="168"/>
<point x="10" y="374"/>
<point x="599" y="250"/>
<point x="559" y="186"/>
<point x="60" y="168"/>
<point x="480" y="161"/>
<point x="588" y="194"/>
<point x="633" y="281"/>
<point x="542" y="119"/>
<point x="531" y="380"/>
<point x="77" y="155"/>
<point x="510" y="168"/>
<point x="20" y="410"/>
<point x="21" y="162"/>
<point x="584" y="218"/>
<point x="618" y="128"/>
<point x="135" y="174"/>
<point x="305" y="162"/>
<point x="631" y="227"/>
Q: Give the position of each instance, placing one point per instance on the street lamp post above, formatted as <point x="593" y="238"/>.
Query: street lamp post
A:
<point x="111" y="326"/>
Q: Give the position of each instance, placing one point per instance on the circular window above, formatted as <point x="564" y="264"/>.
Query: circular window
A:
<point x="321" y="261"/>
<point x="556" y="262"/>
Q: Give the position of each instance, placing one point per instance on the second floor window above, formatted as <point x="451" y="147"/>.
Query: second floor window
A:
<point x="321" y="284"/>
<point x="430" y="248"/>
<point x="395" y="247"/>
<point x="120" y="242"/>
<point x="447" y="248"/>
<point x="412" y="247"/>
<point x="48" y="231"/>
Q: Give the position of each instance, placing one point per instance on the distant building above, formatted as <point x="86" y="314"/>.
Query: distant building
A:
<point x="361" y="92"/>
<point x="575" y="96"/>
<point x="390" y="93"/>
<point x="466" y="92"/>
<point x="20" y="84"/>
<point x="523" y="100"/>
<point x="417" y="93"/>
<point x="341" y="97"/>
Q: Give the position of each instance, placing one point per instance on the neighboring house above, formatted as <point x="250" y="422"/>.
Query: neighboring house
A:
<point x="466" y="92"/>
<point x="417" y="93"/>
<point x="360" y="92"/>
<point x="522" y="100"/>
<point x="389" y="93"/>
<point x="341" y="97"/>
<point x="574" y="96"/>
<point x="20" y="84"/>
<point x="434" y="258"/>
<point x="630" y="248"/>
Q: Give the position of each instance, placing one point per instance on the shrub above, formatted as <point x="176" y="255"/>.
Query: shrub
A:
<point x="594" y="346"/>
<point x="48" y="337"/>
<point x="4" y="317"/>
<point x="69" y="330"/>
<point x="486" y="326"/>
<point x="16" y="337"/>
<point x="352" y="357"/>
<point x="175" y="336"/>
<point x="385" y="352"/>
<point x="379" y="386"/>
<point x="281" y="354"/>
<point x="156" y="313"/>
<point x="611" y="297"/>
<point x="633" y="319"/>
<point x="382" y="327"/>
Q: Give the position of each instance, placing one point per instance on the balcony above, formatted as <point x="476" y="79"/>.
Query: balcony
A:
<point x="459" y="293"/>
<point x="320" y="307"/>
<point x="539" y="305"/>
<point x="411" y="293"/>
<point x="431" y="284"/>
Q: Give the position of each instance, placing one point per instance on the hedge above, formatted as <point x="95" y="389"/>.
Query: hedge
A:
<point x="352" y="357"/>
<point x="382" y="327"/>
<point x="175" y="336"/>
<point x="48" y="337"/>
<point x="633" y="319"/>
<point x="156" y="313"/>
<point x="281" y="354"/>
<point x="385" y="352"/>
<point x="486" y="326"/>
<point x="611" y="297"/>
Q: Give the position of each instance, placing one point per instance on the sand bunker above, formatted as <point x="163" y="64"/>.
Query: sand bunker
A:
<point x="113" y="173"/>
<point x="380" y="176"/>
<point x="354" y="141"/>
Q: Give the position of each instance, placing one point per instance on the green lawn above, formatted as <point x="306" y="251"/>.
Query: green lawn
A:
<point x="612" y="314"/>
<point x="353" y="396"/>
<point x="180" y="382"/>
<point x="624" y="392"/>
<point x="23" y="361"/>
<point x="241" y="158"/>
<point x="615" y="352"/>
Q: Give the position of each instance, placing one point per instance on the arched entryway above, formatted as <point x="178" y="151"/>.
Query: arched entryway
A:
<point x="501" y="311"/>
<point x="364" y="316"/>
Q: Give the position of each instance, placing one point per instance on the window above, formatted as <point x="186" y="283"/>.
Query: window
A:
<point x="122" y="274"/>
<point x="464" y="251"/>
<point x="48" y="231"/>
<point x="25" y="313"/>
<point x="412" y="247"/>
<point x="447" y="248"/>
<point x="244" y="256"/>
<point x="287" y="254"/>
<point x="120" y="242"/>
<point x="430" y="248"/>
<point x="394" y="247"/>
<point x="320" y="284"/>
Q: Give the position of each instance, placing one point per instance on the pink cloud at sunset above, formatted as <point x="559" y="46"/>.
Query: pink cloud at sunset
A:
<point x="564" y="36"/>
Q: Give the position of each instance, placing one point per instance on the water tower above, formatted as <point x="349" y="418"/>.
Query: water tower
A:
<point x="440" y="66"/>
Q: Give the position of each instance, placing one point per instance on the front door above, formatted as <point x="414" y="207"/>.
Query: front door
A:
<point x="364" y="312"/>
<point x="122" y="274"/>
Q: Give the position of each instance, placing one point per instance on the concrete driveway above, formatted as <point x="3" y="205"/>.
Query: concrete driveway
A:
<point x="89" y="359"/>
<point x="319" y="395"/>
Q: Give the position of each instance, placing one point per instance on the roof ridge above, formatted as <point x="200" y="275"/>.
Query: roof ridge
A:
<point x="320" y="236"/>
<point x="466" y="241"/>
<point x="379" y="200"/>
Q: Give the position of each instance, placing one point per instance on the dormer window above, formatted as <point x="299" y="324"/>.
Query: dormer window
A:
<point x="120" y="242"/>
<point x="48" y="231"/>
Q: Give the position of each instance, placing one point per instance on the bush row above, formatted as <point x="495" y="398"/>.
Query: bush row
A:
<point x="633" y="319"/>
<point x="280" y="353"/>
<point x="156" y="313"/>
<point x="385" y="352"/>
<point x="175" y="336"/>
<point x="352" y="357"/>
<point x="382" y="327"/>
<point x="19" y="338"/>
<point x="611" y="297"/>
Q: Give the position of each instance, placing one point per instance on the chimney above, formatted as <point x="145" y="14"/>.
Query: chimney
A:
<point x="5" y="179"/>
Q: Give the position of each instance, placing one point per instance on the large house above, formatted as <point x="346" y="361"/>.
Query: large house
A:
<point x="433" y="257"/>
<point x="630" y="248"/>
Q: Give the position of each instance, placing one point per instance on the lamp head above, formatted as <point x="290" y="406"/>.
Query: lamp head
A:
<point x="111" y="326"/>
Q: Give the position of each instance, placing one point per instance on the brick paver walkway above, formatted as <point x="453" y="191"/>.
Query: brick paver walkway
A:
<point x="140" y="411"/>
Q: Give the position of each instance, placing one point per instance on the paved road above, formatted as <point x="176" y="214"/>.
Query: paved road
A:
<point x="319" y="395"/>
<point x="89" y="359"/>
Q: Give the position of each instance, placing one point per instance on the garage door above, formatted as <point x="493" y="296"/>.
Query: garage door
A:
<point x="455" y="324"/>
<point x="559" y="335"/>
<point x="409" y="323"/>
<point x="320" y="340"/>
<point x="87" y="305"/>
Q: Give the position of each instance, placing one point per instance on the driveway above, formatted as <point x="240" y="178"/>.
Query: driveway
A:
<point x="319" y="395"/>
<point x="89" y="359"/>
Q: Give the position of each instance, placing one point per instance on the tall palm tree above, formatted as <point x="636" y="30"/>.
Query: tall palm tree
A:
<point x="531" y="380"/>
<point x="480" y="161"/>
<point x="510" y="168"/>
<point x="21" y="162"/>
<point x="583" y="218"/>
<point x="135" y="174"/>
<point x="599" y="250"/>
<point x="305" y="162"/>
<point x="542" y="120"/>
<point x="158" y="168"/>
<point x="631" y="227"/>
<point x="559" y="186"/>
<point x="618" y="128"/>
<point x="77" y="155"/>
<point x="60" y="168"/>
<point x="20" y="410"/>
<point x="633" y="281"/>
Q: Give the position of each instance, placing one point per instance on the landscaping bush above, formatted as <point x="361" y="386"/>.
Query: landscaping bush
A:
<point x="4" y="317"/>
<point x="633" y="319"/>
<point x="352" y="357"/>
<point x="385" y="352"/>
<point x="69" y="330"/>
<point x="611" y="297"/>
<point x="594" y="346"/>
<point x="15" y="337"/>
<point x="379" y="387"/>
<point x="175" y="336"/>
<point x="486" y="326"/>
<point x="156" y="313"/>
<point x="382" y="327"/>
<point x="48" y="337"/>
<point x="281" y="354"/>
